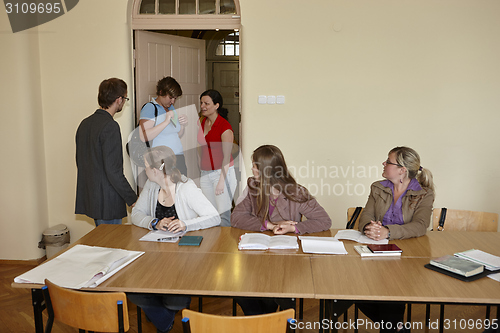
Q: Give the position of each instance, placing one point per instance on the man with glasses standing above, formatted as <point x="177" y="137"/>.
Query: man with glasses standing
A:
<point x="102" y="190"/>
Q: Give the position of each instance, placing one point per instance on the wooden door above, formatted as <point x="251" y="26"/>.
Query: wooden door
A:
<point x="159" y="55"/>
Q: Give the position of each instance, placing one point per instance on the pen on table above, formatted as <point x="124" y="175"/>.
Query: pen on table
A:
<point x="166" y="239"/>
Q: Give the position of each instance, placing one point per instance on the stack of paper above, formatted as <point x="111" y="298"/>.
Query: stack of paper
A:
<point x="322" y="245"/>
<point x="256" y="241"/>
<point x="489" y="261"/>
<point x="357" y="236"/>
<point x="81" y="266"/>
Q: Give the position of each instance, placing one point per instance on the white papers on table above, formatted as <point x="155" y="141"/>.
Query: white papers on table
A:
<point x="81" y="266"/>
<point x="257" y="241"/>
<point x="490" y="262"/>
<point x="495" y="276"/>
<point x="357" y="236"/>
<point x="322" y="245"/>
<point x="162" y="236"/>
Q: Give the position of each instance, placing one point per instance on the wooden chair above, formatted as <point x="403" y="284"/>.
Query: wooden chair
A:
<point x="197" y="322"/>
<point x="461" y="220"/>
<point x="91" y="311"/>
<point x="353" y="214"/>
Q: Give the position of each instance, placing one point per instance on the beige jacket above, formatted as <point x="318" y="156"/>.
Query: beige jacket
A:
<point x="417" y="210"/>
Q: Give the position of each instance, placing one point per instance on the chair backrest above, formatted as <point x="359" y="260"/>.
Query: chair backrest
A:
<point x="353" y="214"/>
<point x="464" y="220"/>
<point x="197" y="322"/>
<point x="90" y="311"/>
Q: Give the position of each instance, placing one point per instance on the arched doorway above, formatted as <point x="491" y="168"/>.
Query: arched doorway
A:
<point x="173" y="38"/>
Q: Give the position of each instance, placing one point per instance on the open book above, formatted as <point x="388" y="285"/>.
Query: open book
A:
<point x="81" y="266"/>
<point x="357" y="236"/>
<point x="257" y="241"/>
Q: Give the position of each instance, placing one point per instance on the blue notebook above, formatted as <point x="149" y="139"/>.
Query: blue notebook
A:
<point x="191" y="240"/>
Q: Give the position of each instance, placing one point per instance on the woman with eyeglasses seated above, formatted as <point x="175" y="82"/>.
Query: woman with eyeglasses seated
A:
<point x="169" y="201"/>
<point x="398" y="207"/>
<point x="274" y="201"/>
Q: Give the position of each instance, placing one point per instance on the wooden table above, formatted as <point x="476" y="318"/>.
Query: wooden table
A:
<point x="218" y="268"/>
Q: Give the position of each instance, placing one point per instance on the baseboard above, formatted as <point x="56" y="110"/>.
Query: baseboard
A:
<point x="32" y="262"/>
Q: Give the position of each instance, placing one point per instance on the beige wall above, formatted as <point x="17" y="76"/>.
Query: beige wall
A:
<point x="50" y="77"/>
<point x="360" y="77"/>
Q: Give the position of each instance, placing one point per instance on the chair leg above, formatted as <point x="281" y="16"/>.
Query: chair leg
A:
<point x="50" y="311"/>
<point x="186" y="328"/>
<point x="321" y="313"/>
<point x="488" y="312"/>
<point x="356" y="315"/>
<point x="441" y="318"/>
<point x="427" y="314"/>
<point x="408" y="313"/>
<point x="200" y="304"/>
<point x="301" y="308"/>
<point x="139" y="319"/>
<point x="235" y="309"/>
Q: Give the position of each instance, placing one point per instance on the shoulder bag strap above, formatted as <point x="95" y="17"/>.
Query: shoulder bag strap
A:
<point x="353" y="219"/>
<point x="442" y="218"/>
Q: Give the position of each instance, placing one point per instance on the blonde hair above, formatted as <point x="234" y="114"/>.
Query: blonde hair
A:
<point x="410" y="159"/>
<point x="163" y="159"/>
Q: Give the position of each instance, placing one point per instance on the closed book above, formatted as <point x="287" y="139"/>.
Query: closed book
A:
<point x="365" y="251"/>
<point x="457" y="265"/>
<point x="384" y="248"/>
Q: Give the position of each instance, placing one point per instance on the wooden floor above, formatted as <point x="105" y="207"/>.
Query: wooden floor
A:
<point x="16" y="312"/>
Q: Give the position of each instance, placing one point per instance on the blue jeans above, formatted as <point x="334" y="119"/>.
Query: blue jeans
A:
<point x="160" y="309"/>
<point x="223" y="202"/>
<point x="115" y="221"/>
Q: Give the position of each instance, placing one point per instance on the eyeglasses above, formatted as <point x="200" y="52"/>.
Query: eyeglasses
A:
<point x="126" y="98"/>
<point x="389" y="162"/>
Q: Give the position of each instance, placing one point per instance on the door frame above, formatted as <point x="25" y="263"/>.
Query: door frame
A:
<point x="189" y="22"/>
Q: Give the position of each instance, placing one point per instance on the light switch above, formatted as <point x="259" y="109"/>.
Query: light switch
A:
<point x="271" y="99"/>
<point x="262" y="99"/>
<point x="280" y="99"/>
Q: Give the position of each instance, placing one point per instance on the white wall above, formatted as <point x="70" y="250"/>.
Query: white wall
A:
<point x="360" y="77"/>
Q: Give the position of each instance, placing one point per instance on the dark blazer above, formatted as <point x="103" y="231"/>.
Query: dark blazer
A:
<point x="102" y="190"/>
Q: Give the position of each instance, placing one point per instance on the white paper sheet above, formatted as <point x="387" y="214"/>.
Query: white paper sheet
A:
<point x="495" y="276"/>
<point x="322" y="245"/>
<point x="81" y="266"/>
<point x="357" y="236"/>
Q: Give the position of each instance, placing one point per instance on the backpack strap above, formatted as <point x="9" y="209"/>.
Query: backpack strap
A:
<point x="156" y="116"/>
<point x="442" y="219"/>
<point x="354" y="217"/>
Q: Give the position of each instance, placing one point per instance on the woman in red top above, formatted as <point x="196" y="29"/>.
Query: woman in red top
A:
<point x="218" y="179"/>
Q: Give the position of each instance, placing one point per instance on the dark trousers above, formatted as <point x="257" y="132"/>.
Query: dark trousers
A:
<point x="257" y="306"/>
<point x="389" y="313"/>
<point x="160" y="309"/>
